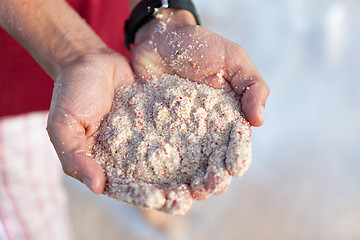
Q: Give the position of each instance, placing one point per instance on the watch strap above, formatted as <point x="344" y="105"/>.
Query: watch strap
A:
<point x="144" y="12"/>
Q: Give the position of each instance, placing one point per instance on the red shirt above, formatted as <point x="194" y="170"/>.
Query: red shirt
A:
<point x="24" y="86"/>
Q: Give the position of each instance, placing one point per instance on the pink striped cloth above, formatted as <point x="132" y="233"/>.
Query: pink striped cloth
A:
<point x="32" y="199"/>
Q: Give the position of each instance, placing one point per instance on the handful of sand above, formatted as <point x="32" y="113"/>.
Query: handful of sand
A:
<point x="169" y="141"/>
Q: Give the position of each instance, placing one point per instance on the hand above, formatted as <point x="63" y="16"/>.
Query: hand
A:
<point x="175" y="45"/>
<point x="82" y="97"/>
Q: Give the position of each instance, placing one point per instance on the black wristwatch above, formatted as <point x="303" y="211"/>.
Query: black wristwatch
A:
<point x="146" y="10"/>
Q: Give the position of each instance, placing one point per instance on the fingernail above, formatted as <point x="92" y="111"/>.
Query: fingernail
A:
<point x="261" y="112"/>
<point x="87" y="182"/>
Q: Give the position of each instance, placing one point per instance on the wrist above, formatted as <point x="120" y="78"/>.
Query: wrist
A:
<point x="148" y="10"/>
<point x="68" y="44"/>
<point x="171" y="16"/>
<point x="73" y="52"/>
<point x="176" y="16"/>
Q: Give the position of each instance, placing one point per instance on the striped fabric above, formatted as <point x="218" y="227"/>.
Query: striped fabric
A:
<point x="32" y="199"/>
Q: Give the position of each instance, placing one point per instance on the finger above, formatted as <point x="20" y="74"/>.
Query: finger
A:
<point x="72" y="146"/>
<point x="174" y="201"/>
<point x="254" y="92"/>
<point x="203" y="186"/>
<point x="216" y="179"/>
<point x="239" y="156"/>
<point x="247" y="82"/>
<point x="217" y="81"/>
<point x="199" y="190"/>
<point x="140" y="194"/>
<point x="146" y="62"/>
<point x="178" y="200"/>
<point x="123" y="74"/>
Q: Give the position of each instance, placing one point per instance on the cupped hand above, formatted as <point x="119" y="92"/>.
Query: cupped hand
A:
<point x="173" y="46"/>
<point x="82" y="97"/>
<point x="193" y="52"/>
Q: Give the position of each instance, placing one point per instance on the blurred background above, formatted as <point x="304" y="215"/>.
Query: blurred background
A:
<point x="304" y="182"/>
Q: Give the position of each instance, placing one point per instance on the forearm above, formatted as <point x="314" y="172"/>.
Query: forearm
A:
<point x="50" y="30"/>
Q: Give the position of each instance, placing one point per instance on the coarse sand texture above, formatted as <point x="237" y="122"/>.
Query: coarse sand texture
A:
<point x="169" y="141"/>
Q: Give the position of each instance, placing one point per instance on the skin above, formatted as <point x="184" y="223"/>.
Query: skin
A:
<point x="86" y="72"/>
<point x="173" y="44"/>
<point x="219" y="63"/>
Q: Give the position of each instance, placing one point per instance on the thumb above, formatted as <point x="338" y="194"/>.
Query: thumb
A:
<point x="72" y="146"/>
<point x="146" y="62"/>
<point x="254" y="92"/>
